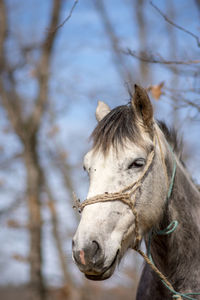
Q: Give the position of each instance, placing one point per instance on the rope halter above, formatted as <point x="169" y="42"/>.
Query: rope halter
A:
<point x="126" y="195"/>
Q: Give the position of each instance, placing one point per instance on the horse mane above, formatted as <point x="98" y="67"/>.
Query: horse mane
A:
<point x="172" y="138"/>
<point x="121" y="123"/>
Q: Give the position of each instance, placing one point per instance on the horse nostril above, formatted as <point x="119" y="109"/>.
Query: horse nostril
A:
<point x="95" y="247"/>
<point x="89" y="256"/>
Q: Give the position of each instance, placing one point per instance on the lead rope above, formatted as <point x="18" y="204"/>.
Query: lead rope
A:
<point x="168" y="230"/>
<point x="125" y="197"/>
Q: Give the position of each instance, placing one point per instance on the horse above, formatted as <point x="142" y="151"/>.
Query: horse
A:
<point x="139" y="190"/>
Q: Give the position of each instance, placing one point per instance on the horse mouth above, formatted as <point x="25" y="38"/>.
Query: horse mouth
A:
<point x="107" y="273"/>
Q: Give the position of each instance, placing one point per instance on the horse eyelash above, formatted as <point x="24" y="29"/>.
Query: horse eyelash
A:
<point x="135" y="165"/>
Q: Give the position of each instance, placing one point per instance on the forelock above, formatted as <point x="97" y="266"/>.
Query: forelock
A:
<point x="115" y="128"/>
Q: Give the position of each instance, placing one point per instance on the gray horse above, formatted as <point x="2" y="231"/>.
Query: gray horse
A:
<point x="132" y="152"/>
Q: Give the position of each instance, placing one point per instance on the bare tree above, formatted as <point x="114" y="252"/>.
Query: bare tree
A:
<point x="178" y="67"/>
<point x="27" y="128"/>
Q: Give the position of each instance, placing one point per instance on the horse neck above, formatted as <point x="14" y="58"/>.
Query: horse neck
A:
<point x="177" y="254"/>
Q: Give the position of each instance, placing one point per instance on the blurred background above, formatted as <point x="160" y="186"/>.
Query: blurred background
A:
<point x="57" y="59"/>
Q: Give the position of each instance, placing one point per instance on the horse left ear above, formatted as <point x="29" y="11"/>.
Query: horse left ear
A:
<point x="142" y="104"/>
<point x="102" y="110"/>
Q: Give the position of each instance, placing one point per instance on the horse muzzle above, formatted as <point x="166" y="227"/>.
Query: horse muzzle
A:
<point x="90" y="260"/>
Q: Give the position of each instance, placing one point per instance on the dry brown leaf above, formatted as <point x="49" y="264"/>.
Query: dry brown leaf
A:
<point x="156" y="90"/>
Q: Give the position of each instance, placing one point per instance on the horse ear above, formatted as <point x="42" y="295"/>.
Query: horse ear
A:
<point x="142" y="104"/>
<point x="102" y="110"/>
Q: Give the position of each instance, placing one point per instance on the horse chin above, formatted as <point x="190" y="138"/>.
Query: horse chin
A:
<point x="107" y="273"/>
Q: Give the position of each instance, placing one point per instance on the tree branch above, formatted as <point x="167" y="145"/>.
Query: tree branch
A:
<point x="12" y="207"/>
<point x="149" y="58"/>
<point x="139" y="16"/>
<point x="9" y="99"/>
<point x="67" y="18"/>
<point x="11" y="104"/>
<point x="3" y="31"/>
<point x="176" y="25"/>
<point x="44" y="65"/>
<point x="124" y="73"/>
<point x="176" y="96"/>
<point x="55" y="228"/>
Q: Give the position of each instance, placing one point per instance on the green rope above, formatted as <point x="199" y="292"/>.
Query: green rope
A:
<point x="168" y="230"/>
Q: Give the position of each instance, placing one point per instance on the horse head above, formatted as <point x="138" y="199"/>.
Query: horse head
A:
<point x="128" y="185"/>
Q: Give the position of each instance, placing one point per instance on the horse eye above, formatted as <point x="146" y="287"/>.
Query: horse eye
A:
<point x="137" y="163"/>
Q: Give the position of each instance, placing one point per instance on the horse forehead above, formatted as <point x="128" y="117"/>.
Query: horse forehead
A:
<point x="98" y="158"/>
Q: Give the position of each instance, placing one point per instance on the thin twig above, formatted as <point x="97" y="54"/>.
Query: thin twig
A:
<point x="151" y="59"/>
<point x="189" y="90"/>
<point x="67" y="18"/>
<point x="176" y="25"/>
<point x="12" y="207"/>
<point x="184" y="101"/>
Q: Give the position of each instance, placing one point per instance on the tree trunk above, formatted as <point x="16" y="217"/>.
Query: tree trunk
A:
<point x="68" y="284"/>
<point x="37" y="289"/>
